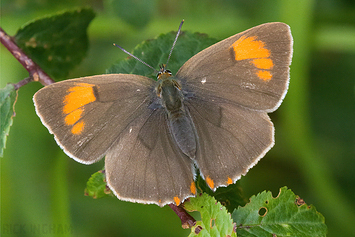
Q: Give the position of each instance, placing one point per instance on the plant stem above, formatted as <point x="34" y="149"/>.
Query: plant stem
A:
<point x="36" y="73"/>
<point x="22" y="82"/>
<point x="187" y="221"/>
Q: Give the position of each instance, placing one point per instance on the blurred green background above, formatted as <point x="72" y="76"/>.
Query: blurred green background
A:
<point x="42" y="190"/>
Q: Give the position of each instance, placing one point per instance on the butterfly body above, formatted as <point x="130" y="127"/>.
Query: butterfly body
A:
<point x="179" y="121"/>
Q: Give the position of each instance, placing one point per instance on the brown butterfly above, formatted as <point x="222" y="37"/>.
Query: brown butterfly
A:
<point x="211" y="115"/>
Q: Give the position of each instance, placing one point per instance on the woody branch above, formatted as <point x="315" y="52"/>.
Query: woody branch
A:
<point x="35" y="72"/>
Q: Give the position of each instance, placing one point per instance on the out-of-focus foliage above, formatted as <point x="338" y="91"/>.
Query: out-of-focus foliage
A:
<point x="42" y="190"/>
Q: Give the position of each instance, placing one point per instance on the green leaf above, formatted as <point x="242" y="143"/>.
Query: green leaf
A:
<point x="231" y="196"/>
<point x="284" y="215"/>
<point x="155" y="52"/>
<point x="215" y="220"/>
<point x="8" y="97"/>
<point x="96" y="186"/>
<point x="135" y="12"/>
<point x="56" y="43"/>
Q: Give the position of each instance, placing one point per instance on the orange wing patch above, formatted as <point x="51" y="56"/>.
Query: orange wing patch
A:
<point x="265" y="75"/>
<point x="250" y="48"/>
<point x="210" y="182"/>
<point x="78" y="128"/>
<point x="78" y="96"/>
<point x="229" y="181"/>
<point x="193" y="188"/>
<point x="74" y="116"/>
<point x="177" y="200"/>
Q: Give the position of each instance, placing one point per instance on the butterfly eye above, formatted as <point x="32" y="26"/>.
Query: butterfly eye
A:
<point x="159" y="74"/>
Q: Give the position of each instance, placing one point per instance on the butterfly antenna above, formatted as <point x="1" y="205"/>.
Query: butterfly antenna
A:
<point x="140" y="60"/>
<point x="176" y="37"/>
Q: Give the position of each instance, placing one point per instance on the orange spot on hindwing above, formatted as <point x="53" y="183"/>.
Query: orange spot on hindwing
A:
<point x="210" y="182"/>
<point x="177" y="200"/>
<point x="249" y="48"/>
<point x="193" y="188"/>
<point x="74" y="105"/>
<point x="229" y="181"/>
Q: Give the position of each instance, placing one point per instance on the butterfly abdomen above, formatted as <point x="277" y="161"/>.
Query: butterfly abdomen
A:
<point x="179" y="122"/>
<point x="180" y="125"/>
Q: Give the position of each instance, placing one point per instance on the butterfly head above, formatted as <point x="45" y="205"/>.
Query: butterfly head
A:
<point x="163" y="73"/>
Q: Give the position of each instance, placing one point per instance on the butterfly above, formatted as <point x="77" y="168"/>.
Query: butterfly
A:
<point x="212" y="115"/>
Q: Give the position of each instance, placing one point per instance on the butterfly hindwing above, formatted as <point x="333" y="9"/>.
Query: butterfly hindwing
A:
<point x="146" y="166"/>
<point x="232" y="139"/>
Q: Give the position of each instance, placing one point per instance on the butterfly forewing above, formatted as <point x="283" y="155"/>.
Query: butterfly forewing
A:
<point x="229" y="88"/>
<point x="92" y="111"/>
<point x="250" y="69"/>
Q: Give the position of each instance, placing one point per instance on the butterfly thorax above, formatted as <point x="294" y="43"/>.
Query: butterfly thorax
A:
<point x="171" y="95"/>
<point x="179" y="120"/>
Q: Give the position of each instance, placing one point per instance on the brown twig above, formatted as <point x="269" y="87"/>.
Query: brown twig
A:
<point x="36" y="73"/>
<point x="187" y="221"/>
<point x="23" y="82"/>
